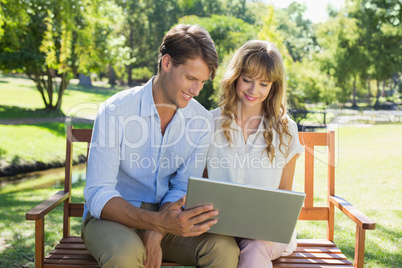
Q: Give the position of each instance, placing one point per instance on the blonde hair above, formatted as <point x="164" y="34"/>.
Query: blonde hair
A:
<point x="261" y="60"/>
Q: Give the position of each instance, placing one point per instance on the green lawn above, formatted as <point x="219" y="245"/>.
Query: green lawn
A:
<point x="21" y="99"/>
<point x="40" y="142"/>
<point x="368" y="175"/>
<point x="43" y="142"/>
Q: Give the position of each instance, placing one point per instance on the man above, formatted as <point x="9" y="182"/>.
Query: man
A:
<point x="146" y="142"/>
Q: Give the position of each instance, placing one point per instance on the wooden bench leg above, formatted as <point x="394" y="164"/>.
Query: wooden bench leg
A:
<point x="359" y="247"/>
<point x="39" y="242"/>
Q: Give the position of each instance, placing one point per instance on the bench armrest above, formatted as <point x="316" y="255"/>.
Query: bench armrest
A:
<point x="46" y="206"/>
<point x="353" y="213"/>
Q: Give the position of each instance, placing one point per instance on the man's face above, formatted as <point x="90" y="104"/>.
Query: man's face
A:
<point x="183" y="82"/>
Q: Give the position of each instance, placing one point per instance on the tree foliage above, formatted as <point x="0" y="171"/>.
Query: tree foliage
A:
<point x="53" y="41"/>
<point x="361" y="40"/>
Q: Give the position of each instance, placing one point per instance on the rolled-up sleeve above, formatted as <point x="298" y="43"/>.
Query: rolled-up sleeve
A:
<point x="103" y="162"/>
<point x="295" y="148"/>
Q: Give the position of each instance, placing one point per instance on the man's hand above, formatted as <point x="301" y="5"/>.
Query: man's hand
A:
<point x="153" y="252"/>
<point x="186" y="223"/>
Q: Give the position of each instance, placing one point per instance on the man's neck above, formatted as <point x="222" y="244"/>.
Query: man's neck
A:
<point x="165" y="110"/>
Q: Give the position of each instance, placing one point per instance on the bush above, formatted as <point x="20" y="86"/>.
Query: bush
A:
<point x="141" y="74"/>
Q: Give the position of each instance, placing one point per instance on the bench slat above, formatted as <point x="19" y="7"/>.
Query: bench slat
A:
<point x="315" y="243"/>
<point x="71" y="261"/>
<point x="76" y="209"/>
<point x="319" y="139"/>
<point x="315" y="256"/>
<point x="288" y="265"/>
<point x="314" y="214"/>
<point x="313" y="261"/>
<point x="318" y="250"/>
<point x="71" y="246"/>
<point x="70" y="252"/>
<point x="71" y="256"/>
<point x="71" y="239"/>
<point x="58" y="265"/>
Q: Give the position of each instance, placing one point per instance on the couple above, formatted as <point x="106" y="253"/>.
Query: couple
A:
<point x="148" y="140"/>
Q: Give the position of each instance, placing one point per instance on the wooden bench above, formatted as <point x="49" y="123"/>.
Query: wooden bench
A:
<point x="300" y="115"/>
<point x="71" y="251"/>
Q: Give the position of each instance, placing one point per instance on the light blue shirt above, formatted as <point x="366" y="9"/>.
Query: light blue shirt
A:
<point x="130" y="158"/>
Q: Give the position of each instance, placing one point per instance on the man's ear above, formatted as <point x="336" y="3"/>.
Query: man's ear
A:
<point x="166" y="62"/>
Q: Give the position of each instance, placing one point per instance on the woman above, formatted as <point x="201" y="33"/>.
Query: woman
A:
<point x="255" y="142"/>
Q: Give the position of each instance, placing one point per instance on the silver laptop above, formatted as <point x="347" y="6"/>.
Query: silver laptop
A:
<point x="248" y="211"/>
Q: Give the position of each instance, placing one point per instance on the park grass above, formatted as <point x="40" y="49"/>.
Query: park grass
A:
<point x="41" y="142"/>
<point x="29" y="144"/>
<point x="17" y="238"/>
<point x="21" y="99"/>
<point x="368" y="175"/>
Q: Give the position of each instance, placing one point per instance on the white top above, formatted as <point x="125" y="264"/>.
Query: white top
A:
<point x="247" y="162"/>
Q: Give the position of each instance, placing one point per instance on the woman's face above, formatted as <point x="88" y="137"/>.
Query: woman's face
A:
<point x="252" y="91"/>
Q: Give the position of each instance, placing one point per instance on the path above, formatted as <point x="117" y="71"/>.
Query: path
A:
<point x="60" y="119"/>
<point x="343" y="117"/>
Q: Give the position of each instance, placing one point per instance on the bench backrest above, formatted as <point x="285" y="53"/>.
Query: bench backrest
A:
<point x="309" y="212"/>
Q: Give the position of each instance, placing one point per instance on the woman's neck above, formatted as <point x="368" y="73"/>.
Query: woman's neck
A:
<point x="245" y="114"/>
<point x="248" y="119"/>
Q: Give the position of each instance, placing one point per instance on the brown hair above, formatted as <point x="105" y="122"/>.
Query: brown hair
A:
<point x="258" y="59"/>
<point x="184" y="42"/>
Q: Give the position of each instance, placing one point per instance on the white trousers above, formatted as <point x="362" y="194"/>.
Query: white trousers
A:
<point x="258" y="253"/>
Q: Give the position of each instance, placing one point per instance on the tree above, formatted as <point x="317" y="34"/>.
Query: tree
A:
<point x="298" y="33"/>
<point x="380" y="23"/>
<point x="343" y="54"/>
<point x="361" y="41"/>
<point x="56" y="39"/>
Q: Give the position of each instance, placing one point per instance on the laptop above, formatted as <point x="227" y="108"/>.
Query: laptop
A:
<point x="247" y="211"/>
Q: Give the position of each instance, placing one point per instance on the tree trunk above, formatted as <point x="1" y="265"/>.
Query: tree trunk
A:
<point x="377" y="102"/>
<point x="62" y="88"/>
<point x="36" y="78"/>
<point x="383" y="88"/>
<point x="368" y="91"/>
<point x="49" y="87"/>
<point x="112" y="76"/>
<point x="85" y="80"/>
<point x="354" y="103"/>
<point x="129" y="67"/>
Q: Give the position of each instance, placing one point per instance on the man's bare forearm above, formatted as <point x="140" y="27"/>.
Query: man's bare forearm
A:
<point x="119" y="210"/>
<point x="171" y="219"/>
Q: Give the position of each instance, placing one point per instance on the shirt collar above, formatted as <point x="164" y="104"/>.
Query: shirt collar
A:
<point x="261" y="127"/>
<point x="188" y="111"/>
<point x="148" y="106"/>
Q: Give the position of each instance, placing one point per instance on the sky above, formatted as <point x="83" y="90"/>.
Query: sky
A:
<point x="316" y="9"/>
